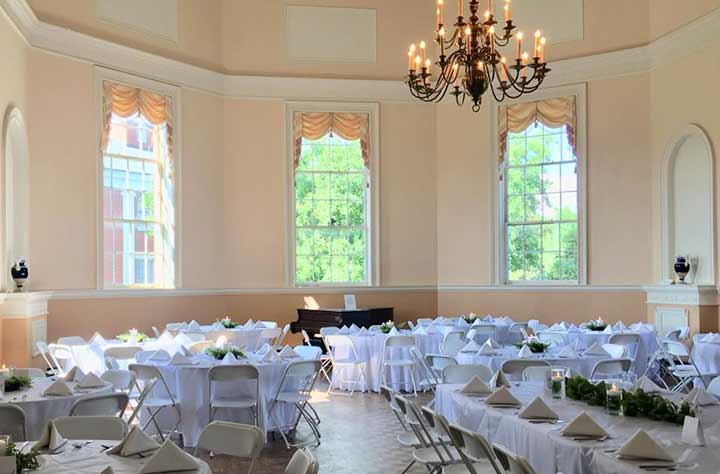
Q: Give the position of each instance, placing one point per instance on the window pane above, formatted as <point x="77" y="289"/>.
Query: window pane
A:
<point x="551" y="207"/>
<point x="303" y="186"/>
<point x="322" y="186"/>
<point x="337" y="158"/>
<point x="339" y="186"/>
<point x="553" y="144"/>
<point x="354" y="158"/>
<point x="515" y="181"/>
<point x="516" y="151"/>
<point x="305" y="214"/>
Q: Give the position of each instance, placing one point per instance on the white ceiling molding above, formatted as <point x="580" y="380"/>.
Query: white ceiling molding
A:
<point x="684" y="41"/>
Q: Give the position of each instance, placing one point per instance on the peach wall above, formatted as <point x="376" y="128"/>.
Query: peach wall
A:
<point x="669" y="15"/>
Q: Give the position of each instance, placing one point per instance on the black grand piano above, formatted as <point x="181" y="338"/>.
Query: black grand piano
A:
<point x="311" y="320"/>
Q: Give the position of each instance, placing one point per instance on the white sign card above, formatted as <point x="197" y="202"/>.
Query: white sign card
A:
<point x="350" y="302"/>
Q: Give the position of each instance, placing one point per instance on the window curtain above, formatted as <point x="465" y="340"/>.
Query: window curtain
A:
<point x="553" y="113"/>
<point x="315" y="125"/>
<point x="125" y="101"/>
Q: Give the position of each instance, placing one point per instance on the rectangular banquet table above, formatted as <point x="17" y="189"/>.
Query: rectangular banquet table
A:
<point x="549" y="452"/>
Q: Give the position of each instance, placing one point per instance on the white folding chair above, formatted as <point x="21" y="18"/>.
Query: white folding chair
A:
<point x="389" y="395"/>
<point x="295" y="390"/>
<point x="452" y="343"/>
<point x="411" y="325"/>
<point x="554" y="338"/>
<point x="72" y="341"/>
<point x="511" y="462"/>
<point x="681" y="366"/>
<point x="673" y="335"/>
<point x="302" y="462"/>
<point x="156" y="403"/>
<point x="517" y="332"/>
<point x="122" y="380"/>
<point x="514" y="368"/>
<point x="616" y="351"/>
<point x="232" y="439"/>
<point x="155" y="331"/>
<point x="279" y="340"/>
<point x="536" y="374"/>
<point x="31" y="373"/>
<point x="424" y="321"/>
<point x="123" y="355"/>
<point x="270" y="324"/>
<point x="404" y="362"/>
<point x="62" y="355"/>
<point x="438" y="362"/>
<point x="110" y="404"/>
<point x="91" y="427"/>
<point x="463" y="373"/>
<point x="235" y="374"/>
<point x="481" y="333"/>
<point x="630" y="341"/>
<point x="351" y="362"/>
<point x="13" y="421"/>
<point x="475" y="451"/>
<point x="306" y="337"/>
<point x="270" y="335"/>
<point x="308" y="352"/>
<point x="611" y="368"/>
<point x="714" y="387"/>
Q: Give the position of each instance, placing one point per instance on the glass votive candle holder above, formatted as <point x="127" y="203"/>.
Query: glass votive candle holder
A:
<point x="557" y="382"/>
<point x="614" y="398"/>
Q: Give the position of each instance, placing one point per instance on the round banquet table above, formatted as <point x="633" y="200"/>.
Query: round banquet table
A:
<point x="583" y="364"/>
<point x="40" y="409"/>
<point x="370" y="348"/>
<point x="92" y="459"/>
<point x="189" y="386"/>
<point x="91" y="357"/>
<point x="549" y="452"/>
<point x="706" y="355"/>
<point x="249" y="338"/>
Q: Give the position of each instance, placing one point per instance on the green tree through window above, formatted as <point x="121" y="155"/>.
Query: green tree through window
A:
<point x="330" y="213"/>
<point x="541" y="206"/>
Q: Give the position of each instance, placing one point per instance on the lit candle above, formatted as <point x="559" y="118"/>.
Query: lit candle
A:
<point x="460" y="9"/>
<point x="542" y="49"/>
<point x="491" y="38"/>
<point x="480" y="65"/>
<point x="489" y="5"/>
<point x="422" y="51"/>
<point x="487" y="15"/>
<point x="468" y="32"/>
<point x="428" y="63"/>
<point x="455" y="72"/>
<point x="523" y="63"/>
<point x="501" y="70"/>
<point x="536" y="42"/>
<point x="410" y="60"/>
<point x="614" y="399"/>
<point x="519" y="43"/>
<point x="440" y="5"/>
<point x="418" y="61"/>
<point x="508" y="16"/>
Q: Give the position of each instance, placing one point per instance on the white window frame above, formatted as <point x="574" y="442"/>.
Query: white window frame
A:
<point x="372" y="210"/>
<point x="500" y="271"/>
<point x="102" y="75"/>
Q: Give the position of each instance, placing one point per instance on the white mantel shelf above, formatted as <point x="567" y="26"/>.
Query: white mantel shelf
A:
<point x="24" y="305"/>
<point x="691" y="295"/>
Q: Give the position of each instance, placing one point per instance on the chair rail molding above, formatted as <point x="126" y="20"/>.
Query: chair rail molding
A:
<point x="685" y="295"/>
<point x="82" y="47"/>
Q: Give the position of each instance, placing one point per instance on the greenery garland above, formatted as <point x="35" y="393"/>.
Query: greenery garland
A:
<point x="23" y="461"/>
<point x="536" y="347"/>
<point x="15" y="383"/>
<point x="220" y="352"/>
<point x="635" y="404"/>
<point x="127" y="337"/>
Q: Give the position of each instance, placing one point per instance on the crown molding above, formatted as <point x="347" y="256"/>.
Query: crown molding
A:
<point x="44" y="36"/>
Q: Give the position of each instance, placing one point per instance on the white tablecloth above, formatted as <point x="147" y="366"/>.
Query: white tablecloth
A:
<point x="370" y="349"/>
<point x="706" y="355"/>
<point x="91" y="459"/>
<point x="547" y="450"/>
<point x="238" y="336"/>
<point x="91" y="357"/>
<point x="40" y="409"/>
<point x="583" y="365"/>
<point x="189" y="385"/>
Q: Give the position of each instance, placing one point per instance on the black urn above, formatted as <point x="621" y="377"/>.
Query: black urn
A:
<point x="19" y="273"/>
<point x="682" y="268"/>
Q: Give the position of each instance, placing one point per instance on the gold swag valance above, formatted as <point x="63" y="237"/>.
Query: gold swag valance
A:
<point x="125" y="101"/>
<point x="553" y="113"/>
<point x="315" y="125"/>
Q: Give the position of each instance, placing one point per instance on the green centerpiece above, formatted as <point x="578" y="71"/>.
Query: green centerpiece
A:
<point x="24" y="461"/>
<point x="220" y="352"/>
<point x="534" y="344"/>
<point x="228" y="323"/>
<point x="387" y="326"/>
<point x="598" y="325"/>
<point x="15" y="383"/>
<point x="470" y="319"/>
<point x="132" y="336"/>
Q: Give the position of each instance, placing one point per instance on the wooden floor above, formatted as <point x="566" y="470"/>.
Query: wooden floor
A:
<point x="358" y="437"/>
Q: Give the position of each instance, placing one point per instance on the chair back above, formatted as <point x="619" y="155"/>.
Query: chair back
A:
<point x="145" y="373"/>
<point x="517" y="332"/>
<point x="111" y="404"/>
<point x="332" y="343"/>
<point x="200" y="346"/>
<point x="676" y="349"/>
<point x="610" y="368"/>
<point x="299" y="377"/>
<point x="61" y="352"/>
<point x="514" y="368"/>
<point x="121" y="380"/>
<point x="452" y="343"/>
<point x="91" y="427"/>
<point x="438" y="362"/>
<point x="111" y="363"/>
<point x="551" y="337"/>
<point x="512" y="463"/>
<point x="473" y="448"/>
<point x="122" y="352"/>
<point x="232" y="439"/>
<point x="279" y="340"/>
<point x="12" y="420"/>
<point x="673" y="335"/>
<point x="306" y="338"/>
<point x="31" y="373"/>
<point x="329" y="331"/>
<point x="624" y="339"/>
<point x="229" y="373"/>
<point x="714" y="387"/>
<point x="536" y="374"/>
<point x="463" y="373"/>
<point x="272" y="334"/>
<point x="308" y="352"/>
<point x="302" y="462"/>
<point x="72" y="341"/>
<point x="155" y="331"/>
<point x="400" y="341"/>
<point x="616" y="351"/>
<point x="42" y="348"/>
<point x="147" y="388"/>
<point x="269" y="324"/>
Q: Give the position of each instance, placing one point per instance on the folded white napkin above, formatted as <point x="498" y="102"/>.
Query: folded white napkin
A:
<point x="183" y="340"/>
<point x="51" y="439"/>
<point x="193" y="325"/>
<point x="422" y="330"/>
<point x="260" y="325"/>
<point x="363" y="331"/>
<point x="462" y="323"/>
<point x="646" y="385"/>
<point x="135" y="442"/>
<point x="180" y="359"/>
<point x="642" y="446"/>
<point x="568" y="352"/>
<point x="584" y="425"/>
<point x="471" y="346"/>
<point x="596" y="350"/>
<point x="229" y="359"/>
<point x="476" y="386"/>
<point x="699" y="397"/>
<point x="486" y="349"/>
<point x="525" y="352"/>
<point x="217" y="326"/>
<point x="97" y="339"/>
<point x="708" y="337"/>
<point x="493" y="343"/>
<point x="161" y="355"/>
<point x="74" y="374"/>
<point x="561" y="326"/>
<point x="107" y="470"/>
<point x="249" y="324"/>
<point x="502" y="396"/>
<point x="344" y="331"/>
<point x="183" y="325"/>
<point x="608" y="329"/>
<point x="393" y="332"/>
<point x="499" y="380"/>
<point x="572" y="327"/>
<point x="619" y="326"/>
<point x="165" y="338"/>
<point x="354" y="328"/>
<point x="270" y="356"/>
<point x="169" y="458"/>
<point x="487" y="319"/>
<point x="91" y="381"/>
<point x="58" y="389"/>
<point x="184" y="351"/>
<point x="538" y="410"/>
<point x="288" y="352"/>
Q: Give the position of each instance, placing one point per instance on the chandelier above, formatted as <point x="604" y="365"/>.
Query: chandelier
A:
<point x="470" y="62"/>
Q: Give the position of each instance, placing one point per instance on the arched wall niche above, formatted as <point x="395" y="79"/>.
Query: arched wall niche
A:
<point x="687" y="196"/>
<point x="16" y="193"/>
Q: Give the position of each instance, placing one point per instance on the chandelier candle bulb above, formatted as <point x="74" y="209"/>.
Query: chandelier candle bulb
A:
<point x="422" y="51"/>
<point x="501" y="70"/>
<point x="460" y="9"/>
<point x="508" y="16"/>
<point x="523" y="64"/>
<point x="542" y="49"/>
<point x="487" y="15"/>
<point x="489" y="7"/>
<point x="536" y="43"/>
<point x="491" y="38"/>
<point x="440" y="4"/>
<point x="519" y="44"/>
<point x="418" y="60"/>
